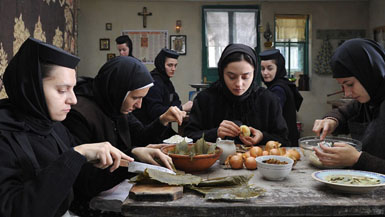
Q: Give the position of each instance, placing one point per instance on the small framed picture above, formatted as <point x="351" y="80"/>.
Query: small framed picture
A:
<point x="104" y="44"/>
<point x="178" y="43"/>
<point x="110" y="56"/>
<point x="109" y="26"/>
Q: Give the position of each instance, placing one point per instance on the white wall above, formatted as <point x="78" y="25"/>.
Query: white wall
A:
<point x="93" y="14"/>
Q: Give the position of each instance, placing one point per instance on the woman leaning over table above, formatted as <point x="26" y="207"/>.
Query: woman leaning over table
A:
<point x="236" y="99"/>
<point x="359" y="66"/>
<point x="103" y="113"/>
<point x="38" y="164"/>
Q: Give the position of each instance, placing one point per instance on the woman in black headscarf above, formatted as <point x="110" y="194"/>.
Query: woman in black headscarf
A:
<point x="273" y="74"/>
<point x="359" y="66"/>
<point x="162" y="95"/>
<point x="103" y="113"/>
<point x="234" y="100"/>
<point x="38" y="164"/>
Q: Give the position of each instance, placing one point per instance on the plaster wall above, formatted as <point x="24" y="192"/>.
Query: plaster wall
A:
<point x="93" y="14"/>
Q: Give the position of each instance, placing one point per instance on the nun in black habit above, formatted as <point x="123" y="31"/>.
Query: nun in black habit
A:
<point x="38" y="164"/>
<point x="236" y="99"/>
<point x="162" y="95"/>
<point x="273" y="74"/>
<point x="359" y="66"/>
<point x="105" y="105"/>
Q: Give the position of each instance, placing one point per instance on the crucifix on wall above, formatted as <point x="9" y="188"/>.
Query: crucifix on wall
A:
<point x="144" y="13"/>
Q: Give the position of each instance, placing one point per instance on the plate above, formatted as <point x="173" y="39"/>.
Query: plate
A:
<point x="322" y="175"/>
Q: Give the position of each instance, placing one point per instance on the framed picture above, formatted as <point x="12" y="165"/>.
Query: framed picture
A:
<point x="110" y="56"/>
<point x="178" y="43"/>
<point x="104" y="44"/>
<point x="108" y="26"/>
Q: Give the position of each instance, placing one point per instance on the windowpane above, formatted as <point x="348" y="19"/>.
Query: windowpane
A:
<point x="245" y="28"/>
<point x="217" y="35"/>
<point x="296" y="56"/>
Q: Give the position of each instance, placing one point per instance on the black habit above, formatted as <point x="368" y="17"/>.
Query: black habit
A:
<point x="162" y="95"/>
<point x="38" y="166"/>
<point x="97" y="117"/>
<point x="365" y="60"/>
<point x="257" y="107"/>
<point x="288" y="93"/>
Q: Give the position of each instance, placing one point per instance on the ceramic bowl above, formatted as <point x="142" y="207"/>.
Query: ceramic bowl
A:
<point x="274" y="171"/>
<point x="308" y="143"/>
<point x="196" y="164"/>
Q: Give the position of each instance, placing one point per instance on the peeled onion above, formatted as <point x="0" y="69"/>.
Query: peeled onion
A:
<point x="245" y="130"/>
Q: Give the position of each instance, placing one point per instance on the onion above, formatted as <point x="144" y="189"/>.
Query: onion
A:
<point x="251" y="163"/>
<point x="272" y="144"/>
<point x="236" y="162"/>
<point x="274" y="151"/>
<point x="245" y="130"/>
<point x="256" y="151"/>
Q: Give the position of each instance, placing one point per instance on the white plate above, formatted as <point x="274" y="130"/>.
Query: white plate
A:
<point x="322" y="175"/>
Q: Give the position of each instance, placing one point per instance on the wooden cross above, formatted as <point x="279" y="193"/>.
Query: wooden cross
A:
<point x="144" y="13"/>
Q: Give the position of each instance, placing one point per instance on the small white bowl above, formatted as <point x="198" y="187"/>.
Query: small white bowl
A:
<point x="274" y="172"/>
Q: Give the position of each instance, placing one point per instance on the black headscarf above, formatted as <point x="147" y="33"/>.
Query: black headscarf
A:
<point x="24" y="85"/>
<point x="125" y="39"/>
<point x="280" y="76"/>
<point x="160" y="60"/>
<point x="365" y="60"/>
<point x="115" y="79"/>
<point x="230" y="49"/>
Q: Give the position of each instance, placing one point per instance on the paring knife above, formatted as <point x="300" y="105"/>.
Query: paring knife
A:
<point x="139" y="167"/>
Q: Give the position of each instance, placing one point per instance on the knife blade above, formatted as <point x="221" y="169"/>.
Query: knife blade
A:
<point x="139" y="167"/>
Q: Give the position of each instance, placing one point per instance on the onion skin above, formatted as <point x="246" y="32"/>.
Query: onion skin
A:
<point x="251" y="163"/>
<point x="236" y="162"/>
<point x="256" y="151"/>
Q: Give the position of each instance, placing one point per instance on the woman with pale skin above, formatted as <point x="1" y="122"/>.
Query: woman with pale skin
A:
<point x="365" y="84"/>
<point x="235" y="100"/>
<point x="162" y="95"/>
<point x="273" y="73"/>
<point x="39" y="160"/>
<point x="104" y="113"/>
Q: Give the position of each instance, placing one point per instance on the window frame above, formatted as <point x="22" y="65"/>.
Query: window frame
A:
<point x="211" y="74"/>
<point x="305" y="43"/>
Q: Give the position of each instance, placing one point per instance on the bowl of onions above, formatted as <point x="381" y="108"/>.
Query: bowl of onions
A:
<point x="274" y="167"/>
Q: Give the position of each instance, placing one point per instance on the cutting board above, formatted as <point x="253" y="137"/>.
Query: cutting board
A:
<point x="152" y="192"/>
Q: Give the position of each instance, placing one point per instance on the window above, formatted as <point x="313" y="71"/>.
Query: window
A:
<point x="291" y="38"/>
<point x="223" y="25"/>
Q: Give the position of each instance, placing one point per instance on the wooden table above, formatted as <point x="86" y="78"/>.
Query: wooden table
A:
<point x="298" y="195"/>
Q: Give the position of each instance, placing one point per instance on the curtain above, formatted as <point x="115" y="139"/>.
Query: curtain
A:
<point x="290" y="28"/>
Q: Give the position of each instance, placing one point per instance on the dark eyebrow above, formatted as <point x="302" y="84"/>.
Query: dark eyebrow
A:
<point x="345" y="82"/>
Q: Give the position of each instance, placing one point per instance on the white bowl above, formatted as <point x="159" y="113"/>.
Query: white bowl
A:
<point x="308" y="143"/>
<point x="274" y="171"/>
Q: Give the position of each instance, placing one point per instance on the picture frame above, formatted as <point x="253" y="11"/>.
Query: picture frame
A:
<point x="109" y="26"/>
<point x="104" y="44"/>
<point x="178" y="43"/>
<point x="110" y="56"/>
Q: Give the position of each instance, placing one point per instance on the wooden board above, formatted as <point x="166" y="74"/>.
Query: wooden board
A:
<point x="155" y="192"/>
